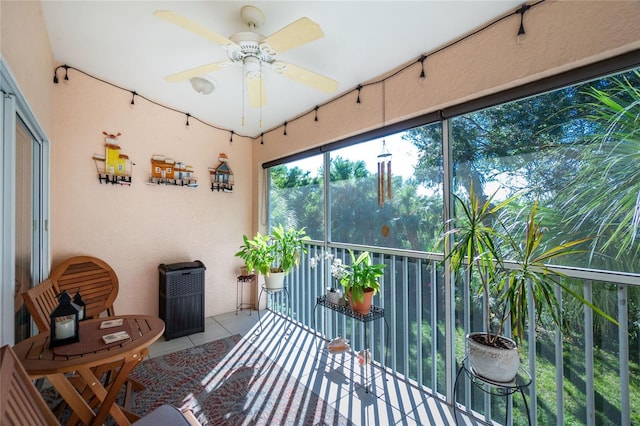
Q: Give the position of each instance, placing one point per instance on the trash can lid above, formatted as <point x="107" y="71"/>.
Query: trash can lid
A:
<point x="181" y="266"/>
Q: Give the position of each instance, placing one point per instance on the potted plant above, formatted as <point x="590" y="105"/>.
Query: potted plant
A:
<point x="360" y="281"/>
<point x="273" y="255"/>
<point x="484" y="238"/>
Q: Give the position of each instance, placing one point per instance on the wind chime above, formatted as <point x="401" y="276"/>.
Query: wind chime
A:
<point x="384" y="163"/>
<point x="384" y="174"/>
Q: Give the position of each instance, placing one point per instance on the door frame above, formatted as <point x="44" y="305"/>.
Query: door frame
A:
<point x="14" y="105"/>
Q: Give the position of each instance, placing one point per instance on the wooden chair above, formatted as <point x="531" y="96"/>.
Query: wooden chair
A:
<point x="40" y="301"/>
<point x="94" y="278"/>
<point x="20" y="401"/>
<point x="22" y="405"/>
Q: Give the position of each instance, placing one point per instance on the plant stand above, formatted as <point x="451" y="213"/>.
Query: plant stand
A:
<point x="522" y="381"/>
<point x="271" y="292"/>
<point x="241" y="282"/>
<point x="375" y="313"/>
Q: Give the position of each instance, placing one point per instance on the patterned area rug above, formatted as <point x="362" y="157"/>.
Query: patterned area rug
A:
<point x="228" y="382"/>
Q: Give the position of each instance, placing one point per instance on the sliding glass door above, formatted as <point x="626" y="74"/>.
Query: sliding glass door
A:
<point x="24" y="201"/>
<point x="27" y="222"/>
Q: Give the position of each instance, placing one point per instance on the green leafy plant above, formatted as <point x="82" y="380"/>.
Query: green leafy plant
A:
<point x="360" y="275"/>
<point x="485" y="238"/>
<point x="279" y="251"/>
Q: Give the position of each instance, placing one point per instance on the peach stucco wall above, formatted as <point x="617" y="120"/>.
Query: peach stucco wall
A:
<point x="136" y="228"/>
<point x="26" y="50"/>
<point x="560" y="35"/>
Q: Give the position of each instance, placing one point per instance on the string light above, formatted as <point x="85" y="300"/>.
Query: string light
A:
<point x="285" y="129"/>
<point x="358" y="103"/>
<point x="521" y="33"/>
<point x="231" y="136"/>
<point x="133" y="93"/>
<point x="520" y="38"/>
<point x="262" y="138"/>
<point x="66" y="73"/>
<point x="133" y="97"/>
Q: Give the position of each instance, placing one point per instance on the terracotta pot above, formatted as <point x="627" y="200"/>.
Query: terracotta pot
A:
<point x="364" y="306"/>
<point x="494" y="363"/>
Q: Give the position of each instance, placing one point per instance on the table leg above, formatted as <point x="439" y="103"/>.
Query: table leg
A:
<point x="109" y="398"/>
<point x="79" y="406"/>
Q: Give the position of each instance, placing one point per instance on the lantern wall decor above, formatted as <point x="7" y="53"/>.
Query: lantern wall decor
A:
<point x="65" y="326"/>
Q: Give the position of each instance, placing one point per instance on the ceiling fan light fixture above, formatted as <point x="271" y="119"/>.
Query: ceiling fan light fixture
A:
<point x="203" y="85"/>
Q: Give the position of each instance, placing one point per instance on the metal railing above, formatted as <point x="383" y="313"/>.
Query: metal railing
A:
<point x="563" y="390"/>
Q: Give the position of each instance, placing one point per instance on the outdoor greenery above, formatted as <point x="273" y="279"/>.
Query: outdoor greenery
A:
<point x="279" y="251"/>
<point x="575" y="155"/>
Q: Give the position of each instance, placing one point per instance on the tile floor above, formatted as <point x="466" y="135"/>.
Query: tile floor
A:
<point x="335" y="378"/>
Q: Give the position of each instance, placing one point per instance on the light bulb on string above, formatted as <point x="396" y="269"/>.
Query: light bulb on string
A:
<point x="315" y="119"/>
<point x="133" y="97"/>
<point x="285" y="129"/>
<point x="261" y="138"/>
<point x="422" y="77"/>
<point x="186" y="125"/>
<point x="231" y="136"/>
<point x="520" y="38"/>
<point x="358" y="103"/>
<point x="66" y="75"/>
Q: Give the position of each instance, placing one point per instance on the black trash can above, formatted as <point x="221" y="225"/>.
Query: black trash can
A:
<point x="182" y="298"/>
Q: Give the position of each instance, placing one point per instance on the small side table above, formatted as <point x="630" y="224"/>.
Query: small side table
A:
<point x="240" y="284"/>
<point x="375" y="313"/>
<point x="519" y="384"/>
<point x="271" y="292"/>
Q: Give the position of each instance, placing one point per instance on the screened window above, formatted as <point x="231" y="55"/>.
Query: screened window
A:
<point x="576" y="151"/>
<point x="296" y="196"/>
<point x="380" y="194"/>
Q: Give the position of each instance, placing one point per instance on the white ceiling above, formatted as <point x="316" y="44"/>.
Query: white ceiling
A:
<point x="123" y="43"/>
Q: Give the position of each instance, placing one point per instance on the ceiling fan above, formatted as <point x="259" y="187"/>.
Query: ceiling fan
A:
<point x="255" y="52"/>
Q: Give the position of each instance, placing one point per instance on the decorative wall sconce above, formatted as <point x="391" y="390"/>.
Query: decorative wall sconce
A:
<point x="65" y="319"/>
<point x="221" y="175"/>
<point x="113" y="166"/>
<point x="169" y="172"/>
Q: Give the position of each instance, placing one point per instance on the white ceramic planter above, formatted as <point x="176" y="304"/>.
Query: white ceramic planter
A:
<point x="334" y="297"/>
<point x="496" y="364"/>
<point x="274" y="281"/>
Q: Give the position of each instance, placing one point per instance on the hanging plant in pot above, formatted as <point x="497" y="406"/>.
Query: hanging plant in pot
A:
<point x="483" y="237"/>
<point x="273" y="255"/>
<point x="360" y="281"/>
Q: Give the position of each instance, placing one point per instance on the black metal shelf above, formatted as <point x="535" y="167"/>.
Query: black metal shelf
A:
<point x="374" y="314"/>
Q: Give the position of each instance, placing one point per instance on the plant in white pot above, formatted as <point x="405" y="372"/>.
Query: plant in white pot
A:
<point x="273" y="255"/>
<point x="484" y="239"/>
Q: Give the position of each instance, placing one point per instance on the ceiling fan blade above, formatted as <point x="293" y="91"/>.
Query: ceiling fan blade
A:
<point x="257" y="92"/>
<point x="194" y="72"/>
<point x="194" y="27"/>
<point x="304" y="76"/>
<point x="302" y="31"/>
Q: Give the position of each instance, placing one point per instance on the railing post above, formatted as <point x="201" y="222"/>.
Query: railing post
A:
<point x="623" y="337"/>
<point x="559" y="363"/>
<point x="533" y="403"/>
<point x="588" y="354"/>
